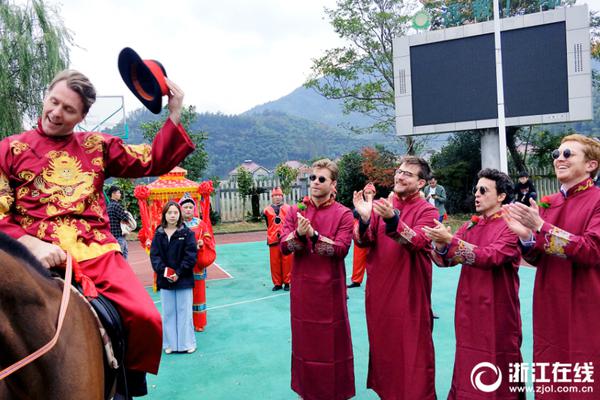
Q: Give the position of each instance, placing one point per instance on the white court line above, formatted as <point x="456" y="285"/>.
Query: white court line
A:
<point x="241" y="302"/>
<point x="212" y="280"/>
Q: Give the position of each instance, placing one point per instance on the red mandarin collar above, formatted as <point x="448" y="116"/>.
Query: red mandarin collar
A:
<point x="408" y="199"/>
<point x="41" y="132"/>
<point x="580" y="187"/>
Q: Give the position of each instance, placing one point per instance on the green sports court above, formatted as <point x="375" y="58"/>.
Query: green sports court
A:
<point x="244" y="353"/>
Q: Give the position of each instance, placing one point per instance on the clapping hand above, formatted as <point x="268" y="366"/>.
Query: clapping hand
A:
<point x="384" y="207"/>
<point x="363" y="207"/>
<point x="304" y="226"/>
<point x="440" y="235"/>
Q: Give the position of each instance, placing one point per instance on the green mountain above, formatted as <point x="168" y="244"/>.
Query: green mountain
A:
<point x="268" y="138"/>
<point x="307" y="103"/>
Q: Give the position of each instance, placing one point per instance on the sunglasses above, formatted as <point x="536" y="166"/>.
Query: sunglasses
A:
<point x="322" y="179"/>
<point x="566" y="153"/>
<point x="482" y="190"/>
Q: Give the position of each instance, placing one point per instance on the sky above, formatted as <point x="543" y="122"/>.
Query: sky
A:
<point x="227" y="55"/>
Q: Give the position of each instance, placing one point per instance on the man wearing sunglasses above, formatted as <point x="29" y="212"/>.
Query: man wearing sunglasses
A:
<point x="318" y="233"/>
<point x="398" y="292"/>
<point x="280" y="265"/>
<point x="561" y="237"/>
<point x="487" y="316"/>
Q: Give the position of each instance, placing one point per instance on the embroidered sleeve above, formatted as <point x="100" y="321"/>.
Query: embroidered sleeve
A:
<point x="324" y="246"/>
<point x="292" y="243"/>
<point x="364" y="233"/>
<point x="504" y="249"/>
<point x="170" y="146"/>
<point x="581" y="249"/>
<point x="339" y="245"/>
<point x="8" y="224"/>
<point x="413" y="236"/>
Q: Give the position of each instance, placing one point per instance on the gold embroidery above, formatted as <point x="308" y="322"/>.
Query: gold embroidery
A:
<point x="556" y="241"/>
<point x="64" y="182"/>
<point x="6" y="198"/>
<point x="18" y="147"/>
<point x="584" y="186"/>
<point x="93" y="143"/>
<point x="26" y="175"/>
<point x="464" y="254"/>
<point x="26" y="222"/>
<point x="99" y="236"/>
<point x="41" y="233"/>
<point x="22" y="192"/>
<point x="67" y="236"/>
<point x="142" y="152"/>
<point x="98" y="161"/>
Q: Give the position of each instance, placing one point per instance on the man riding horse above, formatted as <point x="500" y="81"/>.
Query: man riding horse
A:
<point x="51" y="201"/>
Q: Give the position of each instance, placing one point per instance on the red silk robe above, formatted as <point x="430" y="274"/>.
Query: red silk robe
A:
<point x="398" y="302"/>
<point x="487" y="316"/>
<point x="51" y="188"/>
<point x="566" y="295"/>
<point x="322" y="358"/>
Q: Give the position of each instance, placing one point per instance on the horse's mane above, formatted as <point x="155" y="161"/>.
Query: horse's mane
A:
<point x="16" y="249"/>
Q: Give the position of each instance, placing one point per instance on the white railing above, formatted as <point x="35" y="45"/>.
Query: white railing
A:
<point x="230" y="205"/>
<point x="544" y="180"/>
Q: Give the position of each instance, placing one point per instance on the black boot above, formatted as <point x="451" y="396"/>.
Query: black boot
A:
<point x="353" y="285"/>
<point x="276" y="288"/>
<point x="286" y="287"/>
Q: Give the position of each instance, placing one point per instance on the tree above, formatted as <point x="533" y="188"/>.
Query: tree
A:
<point x="361" y="74"/>
<point x="34" y="47"/>
<point x="245" y="185"/>
<point x="456" y="167"/>
<point x="379" y="166"/>
<point x="287" y="176"/>
<point x="195" y="163"/>
<point x="350" y="178"/>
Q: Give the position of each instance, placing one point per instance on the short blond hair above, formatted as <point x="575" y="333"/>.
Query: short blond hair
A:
<point x="80" y="84"/>
<point x="591" y="148"/>
<point x="328" y="164"/>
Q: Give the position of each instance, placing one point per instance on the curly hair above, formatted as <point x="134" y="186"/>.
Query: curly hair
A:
<point x="503" y="182"/>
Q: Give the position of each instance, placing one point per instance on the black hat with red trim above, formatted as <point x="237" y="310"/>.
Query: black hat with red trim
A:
<point x="145" y="79"/>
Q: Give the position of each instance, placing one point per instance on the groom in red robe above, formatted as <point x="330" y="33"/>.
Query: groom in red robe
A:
<point x="318" y="233"/>
<point x="487" y="315"/>
<point x="561" y="237"/>
<point x="398" y="292"/>
<point x="51" y="200"/>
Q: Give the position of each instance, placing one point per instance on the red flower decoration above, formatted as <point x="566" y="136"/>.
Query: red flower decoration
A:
<point x="544" y="202"/>
<point x="141" y="192"/>
<point x="206" y="188"/>
<point x="474" y="221"/>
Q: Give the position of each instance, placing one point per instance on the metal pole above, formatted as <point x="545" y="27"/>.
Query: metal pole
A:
<point x="500" y="89"/>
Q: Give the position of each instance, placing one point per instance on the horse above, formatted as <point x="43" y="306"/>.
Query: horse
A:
<point x="29" y="305"/>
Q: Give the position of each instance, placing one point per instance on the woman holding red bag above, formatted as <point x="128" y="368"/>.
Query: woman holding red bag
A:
<point x="173" y="256"/>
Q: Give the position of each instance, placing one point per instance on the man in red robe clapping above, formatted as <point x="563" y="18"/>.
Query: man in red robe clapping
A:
<point x="487" y="315"/>
<point x="561" y="237"/>
<point x="318" y="233"/>
<point x="398" y="292"/>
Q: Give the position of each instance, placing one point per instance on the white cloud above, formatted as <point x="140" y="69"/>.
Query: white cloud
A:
<point x="227" y="55"/>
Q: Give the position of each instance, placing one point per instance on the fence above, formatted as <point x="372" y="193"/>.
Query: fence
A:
<point x="229" y="204"/>
<point x="544" y="180"/>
